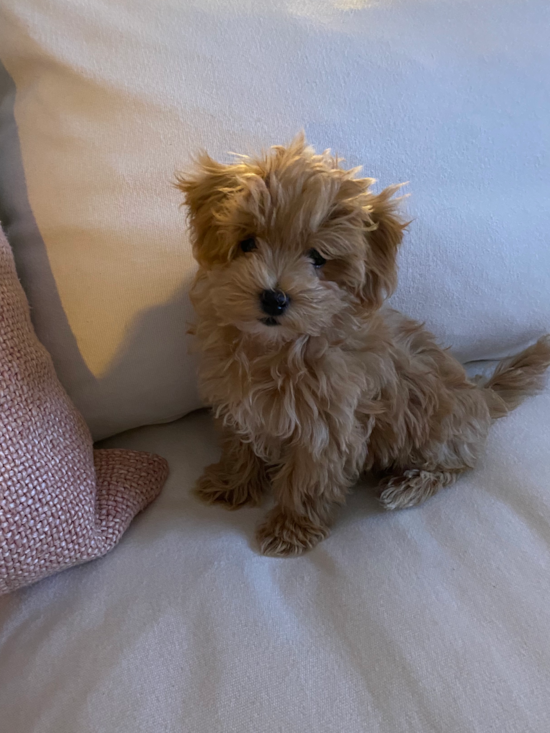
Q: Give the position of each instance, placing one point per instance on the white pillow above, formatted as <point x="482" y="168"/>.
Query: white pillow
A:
<point x="113" y="97"/>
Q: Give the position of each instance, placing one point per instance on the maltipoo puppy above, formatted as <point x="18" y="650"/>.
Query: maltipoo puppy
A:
<point x="311" y="378"/>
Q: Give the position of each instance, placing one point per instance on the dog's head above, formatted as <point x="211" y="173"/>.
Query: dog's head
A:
<point x="288" y="241"/>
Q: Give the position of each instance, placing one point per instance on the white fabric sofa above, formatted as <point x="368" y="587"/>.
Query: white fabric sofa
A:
<point x="432" y="620"/>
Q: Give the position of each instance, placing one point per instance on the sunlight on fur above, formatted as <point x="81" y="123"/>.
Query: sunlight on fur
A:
<point x="311" y="378"/>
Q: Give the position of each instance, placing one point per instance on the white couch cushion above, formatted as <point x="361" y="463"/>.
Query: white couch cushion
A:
<point x="113" y="97"/>
<point x="431" y="620"/>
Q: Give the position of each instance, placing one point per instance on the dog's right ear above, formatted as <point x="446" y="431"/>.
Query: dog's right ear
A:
<point x="384" y="232"/>
<point x="207" y="188"/>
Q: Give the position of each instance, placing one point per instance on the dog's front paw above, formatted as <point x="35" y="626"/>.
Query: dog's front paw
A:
<point x="216" y="487"/>
<point x="284" y="535"/>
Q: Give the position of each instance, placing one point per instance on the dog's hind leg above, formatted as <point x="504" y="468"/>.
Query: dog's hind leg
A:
<point x="414" y="486"/>
<point x="240" y="478"/>
<point x="439" y="462"/>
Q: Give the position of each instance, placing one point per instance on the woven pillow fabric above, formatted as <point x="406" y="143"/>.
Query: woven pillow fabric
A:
<point x="61" y="502"/>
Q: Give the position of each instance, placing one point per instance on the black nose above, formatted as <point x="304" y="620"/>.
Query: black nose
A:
<point x="274" y="302"/>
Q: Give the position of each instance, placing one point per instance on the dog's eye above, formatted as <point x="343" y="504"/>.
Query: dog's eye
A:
<point x="247" y="245"/>
<point x="317" y="259"/>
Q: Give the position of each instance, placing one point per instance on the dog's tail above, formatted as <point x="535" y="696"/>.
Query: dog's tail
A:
<point x="516" y="378"/>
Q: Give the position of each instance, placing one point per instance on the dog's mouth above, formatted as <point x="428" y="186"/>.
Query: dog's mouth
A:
<point x="270" y="321"/>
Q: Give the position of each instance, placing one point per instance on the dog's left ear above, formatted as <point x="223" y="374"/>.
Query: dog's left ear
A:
<point x="206" y="188"/>
<point x="383" y="232"/>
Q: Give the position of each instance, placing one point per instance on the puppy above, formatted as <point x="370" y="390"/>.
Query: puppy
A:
<point x="311" y="379"/>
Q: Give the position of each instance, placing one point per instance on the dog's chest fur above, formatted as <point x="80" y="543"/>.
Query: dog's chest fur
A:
<point x="306" y="391"/>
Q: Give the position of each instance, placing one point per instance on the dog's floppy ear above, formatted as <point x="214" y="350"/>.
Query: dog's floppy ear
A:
<point x="383" y="232"/>
<point x="207" y="187"/>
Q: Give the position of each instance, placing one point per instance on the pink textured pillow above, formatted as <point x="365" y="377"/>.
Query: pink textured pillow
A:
<point x="61" y="502"/>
